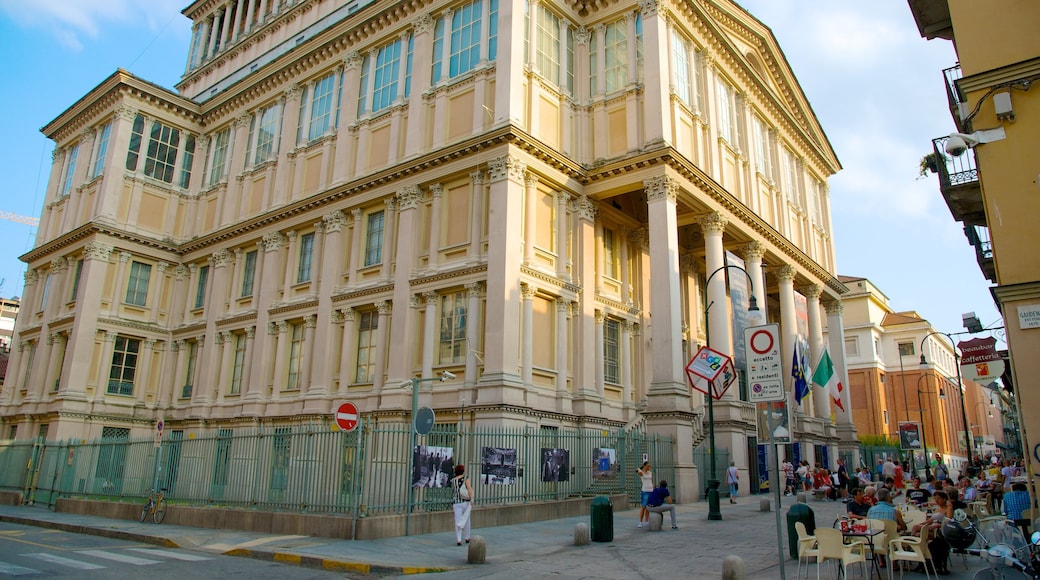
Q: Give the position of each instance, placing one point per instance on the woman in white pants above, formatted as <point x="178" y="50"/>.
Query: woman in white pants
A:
<point x="462" y="498"/>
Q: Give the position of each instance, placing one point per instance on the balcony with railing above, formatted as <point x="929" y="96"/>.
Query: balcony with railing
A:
<point x="959" y="183"/>
<point x="955" y="97"/>
<point x="978" y="237"/>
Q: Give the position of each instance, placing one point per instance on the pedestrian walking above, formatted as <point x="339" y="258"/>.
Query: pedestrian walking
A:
<point x="462" y="493"/>
<point x="646" y="479"/>
<point x="733" y="479"/>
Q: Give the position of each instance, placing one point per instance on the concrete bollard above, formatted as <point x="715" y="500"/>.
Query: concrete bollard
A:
<point x="656" y="519"/>
<point x="763" y="504"/>
<point x="733" y="568"/>
<point x="477" y="550"/>
<point x="582" y="534"/>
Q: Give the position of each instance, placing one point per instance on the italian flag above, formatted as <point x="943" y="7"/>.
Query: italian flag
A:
<point x="828" y="379"/>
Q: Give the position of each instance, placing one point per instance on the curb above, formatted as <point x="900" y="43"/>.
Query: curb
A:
<point x="92" y="531"/>
<point x="332" y="564"/>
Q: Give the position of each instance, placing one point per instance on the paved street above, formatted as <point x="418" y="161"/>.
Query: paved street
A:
<point x="539" y="549"/>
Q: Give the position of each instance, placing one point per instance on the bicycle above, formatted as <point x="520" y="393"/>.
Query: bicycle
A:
<point x="156" y="506"/>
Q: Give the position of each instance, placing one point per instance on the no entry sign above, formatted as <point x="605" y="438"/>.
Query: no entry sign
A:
<point x="347" y="416"/>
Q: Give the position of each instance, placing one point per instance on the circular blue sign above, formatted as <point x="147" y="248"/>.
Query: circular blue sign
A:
<point x="424" y="419"/>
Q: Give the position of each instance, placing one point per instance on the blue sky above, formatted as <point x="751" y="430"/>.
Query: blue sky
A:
<point x="875" y="85"/>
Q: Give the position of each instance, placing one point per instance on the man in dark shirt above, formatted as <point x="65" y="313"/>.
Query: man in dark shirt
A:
<point x="859" y="506"/>
<point x="917" y="494"/>
<point x="660" y="501"/>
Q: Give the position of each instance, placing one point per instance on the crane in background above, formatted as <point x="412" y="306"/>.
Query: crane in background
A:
<point x="20" y="218"/>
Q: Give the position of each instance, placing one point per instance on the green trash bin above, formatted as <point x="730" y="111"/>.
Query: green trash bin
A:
<point x="799" y="512"/>
<point x="602" y="519"/>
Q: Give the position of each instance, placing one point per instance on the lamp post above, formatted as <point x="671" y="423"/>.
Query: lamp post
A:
<point x="960" y="386"/>
<point x="714" y="513"/>
<point x="906" y="405"/>
<point x="414" y="384"/>
<point x="924" y="431"/>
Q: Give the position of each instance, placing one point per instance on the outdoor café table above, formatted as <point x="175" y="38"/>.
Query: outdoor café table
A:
<point x="869" y="534"/>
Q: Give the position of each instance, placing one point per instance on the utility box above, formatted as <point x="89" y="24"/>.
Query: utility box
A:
<point x="799" y="512"/>
<point x="602" y="511"/>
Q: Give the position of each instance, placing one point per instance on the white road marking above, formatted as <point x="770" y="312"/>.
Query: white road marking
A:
<point x="8" y="569"/>
<point x="176" y="555"/>
<point x="78" y="564"/>
<point x="118" y="557"/>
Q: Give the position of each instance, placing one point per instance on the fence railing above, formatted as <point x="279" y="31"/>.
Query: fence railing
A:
<point x="369" y="471"/>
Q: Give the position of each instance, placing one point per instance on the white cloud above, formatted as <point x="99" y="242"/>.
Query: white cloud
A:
<point x="74" y="22"/>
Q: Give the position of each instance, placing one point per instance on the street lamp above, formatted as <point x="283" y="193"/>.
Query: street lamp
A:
<point x="960" y="386"/>
<point x="906" y="402"/>
<point x="414" y="384"/>
<point x="714" y="513"/>
<point x="924" y="432"/>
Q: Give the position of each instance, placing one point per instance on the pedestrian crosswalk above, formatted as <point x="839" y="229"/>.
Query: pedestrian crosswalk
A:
<point x="91" y="560"/>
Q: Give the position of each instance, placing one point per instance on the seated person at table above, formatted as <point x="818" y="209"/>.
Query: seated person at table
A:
<point x="884" y="510"/>
<point x="937" y="544"/>
<point x="917" y="495"/>
<point x="859" y="506"/>
<point x="660" y="501"/>
<point x="968" y="490"/>
<point x="943" y="505"/>
<point x="869" y="495"/>
<point x="1015" y="502"/>
<point x="822" y="484"/>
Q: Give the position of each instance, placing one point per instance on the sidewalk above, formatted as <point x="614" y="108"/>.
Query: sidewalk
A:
<point x="695" y="550"/>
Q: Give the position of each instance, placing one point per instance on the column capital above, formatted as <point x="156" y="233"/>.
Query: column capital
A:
<point x="282" y="325"/>
<point x="585" y="208"/>
<point x="661" y="187"/>
<point x="834" y="307"/>
<point x="353" y="60"/>
<point x="97" y="251"/>
<point x="754" y="250"/>
<point x="812" y="291"/>
<point x="530" y="179"/>
<point x="180" y="272"/>
<point x="409" y="197"/>
<point x="310" y="321"/>
<point x="582" y="35"/>
<point x="473" y="289"/>
<point x="31" y="277"/>
<point x="436" y="190"/>
<point x="713" y="223"/>
<point x="648" y="7"/>
<point x="384" y="307"/>
<point x="348" y="314"/>
<point x="430" y="298"/>
<point x="124" y="257"/>
<point x="357" y="213"/>
<point x="58" y="265"/>
<point x="413" y="301"/>
<point x="562" y="305"/>
<point x="477" y="177"/>
<point x="526" y="291"/>
<point x="599" y="317"/>
<point x="507" y="167"/>
<point x="424" y="23"/>
<point x="689" y="264"/>
<point x="334" y="221"/>
<point x="786" y="273"/>
<point x="273" y="241"/>
<point x="221" y="258"/>
<point x="250" y="332"/>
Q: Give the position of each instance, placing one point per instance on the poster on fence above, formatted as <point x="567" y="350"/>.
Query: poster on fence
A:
<point x="556" y="464"/>
<point x="432" y="466"/>
<point x="606" y="462"/>
<point x="497" y="466"/>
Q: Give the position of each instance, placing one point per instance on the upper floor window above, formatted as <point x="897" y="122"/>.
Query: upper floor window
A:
<point x="101" y="150"/>
<point x="615" y="46"/>
<point x="726" y="114"/>
<point x="200" y="289"/>
<point x="238" y="365"/>
<point x="321" y="106"/>
<point x="218" y="164"/>
<point x="611" y="351"/>
<point x="609" y="58"/>
<point x="303" y="269"/>
<point x="453" y="328"/>
<point x="684" y="69"/>
<point x="248" y="273"/>
<point x="75" y="279"/>
<point x="610" y="254"/>
<point x="266" y="122"/>
<point x="465" y="38"/>
<point x="547" y="43"/>
<point x="137" y="287"/>
<point x="367" y="324"/>
<point x="124" y="366"/>
<point x="70" y="169"/>
<point x="383" y="72"/>
<point x="187" y="161"/>
<point x="760" y="134"/>
<point x="374" y="239"/>
<point x="295" y="355"/>
<point x="792" y="178"/>
<point x="164" y="142"/>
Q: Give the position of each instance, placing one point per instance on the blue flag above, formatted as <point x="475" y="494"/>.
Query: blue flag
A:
<point x="798" y="370"/>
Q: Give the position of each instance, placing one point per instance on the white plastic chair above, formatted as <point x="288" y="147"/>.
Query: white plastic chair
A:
<point x="807" y="548"/>
<point x="832" y="547"/>
<point x="908" y="549"/>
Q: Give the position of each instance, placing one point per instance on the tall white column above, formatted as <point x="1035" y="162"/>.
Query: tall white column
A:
<point x="476" y="217"/>
<point x="753" y="253"/>
<point x="626" y="368"/>
<point x="355" y="246"/>
<point x="530" y="217"/>
<point x="821" y="402"/>
<point x="472" y="332"/>
<point x="430" y="325"/>
<point x="563" y="310"/>
<point x="389" y="236"/>
<point x="836" y="348"/>
<point x="437" y="191"/>
<point x="562" y="234"/>
<point x="788" y="325"/>
<point x="402" y="251"/>
<point x="348" y="357"/>
<point x="309" y="347"/>
<point x="527" y="350"/>
<point x="720" y="338"/>
<point x="600" y="359"/>
<point x="662" y="197"/>
<point x="384" y="308"/>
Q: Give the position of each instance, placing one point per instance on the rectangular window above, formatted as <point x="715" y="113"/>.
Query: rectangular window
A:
<point x="492" y="30"/>
<point x="594" y="63"/>
<point x="611" y="351"/>
<point x="46" y="291"/>
<point x="187" y="161"/>
<point x="321" y="106"/>
<point x="66" y="186"/>
<point x="124" y="366"/>
<point x="408" y="66"/>
<point x="134" y="151"/>
<point x="374" y="239"/>
<point x="265" y="134"/>
<point x="30" y="359"/>
<point x="615" y="44"/>
<point x="792" y="185"/>
<point x="200" y="289"/>
<point x="610" y="256"/>
<point x="725" y="112"/>
<point x="438" y="50"/>
<point x="303" y="270"/>
<point x="75" y="280"/>
<point x="302" y="119"/>
<point x="102" y="150"/>
<point x="220" y="156"/>
<point x="239" y="364"/>
<point x="906" y="348"/>
<point x="137" y="287"/>
<point x="547" y="47"/>
<point x="453" y="328"/>
<point x="248" y="273"/>
<point x="295" y="355"/>
<point x="385" y="75"/>
<point x="681" y="73"/>
<point x="639" y="46"/>
<point x="464" y="52"/>
<point x="189" y="376"/>
<point x="368" y="322"/>
<point x="761" y="136"/>
<point x="161" y="157"/>
<point x="570" y="59"/>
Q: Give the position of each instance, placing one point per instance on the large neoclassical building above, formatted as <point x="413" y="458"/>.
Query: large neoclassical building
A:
<point x="341" y="196"/>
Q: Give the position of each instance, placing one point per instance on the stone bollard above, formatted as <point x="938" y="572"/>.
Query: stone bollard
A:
<point x="733" y="568"/>
<point x="763" y="504"/>
<point x="802" y="498"/>
<point x="582" y="534"/>
<point x="477" y="550"/>
<point x="656" y="519"/>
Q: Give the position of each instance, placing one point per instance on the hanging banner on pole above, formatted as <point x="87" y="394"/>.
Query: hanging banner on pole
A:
<point x="774" y="423"/>
<point x="711" y="372"/>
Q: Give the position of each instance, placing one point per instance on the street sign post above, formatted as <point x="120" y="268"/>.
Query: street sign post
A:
<point x="765" y="364"/>
<point x="347" y="417"/>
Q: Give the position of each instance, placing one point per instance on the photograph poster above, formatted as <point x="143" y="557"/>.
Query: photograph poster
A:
<point x="497" y="466"/>
<point x="606" y="462"/>
<point x="432" y="466"/>
<point x="909" y="435"/>
<point x="556" y="464"/>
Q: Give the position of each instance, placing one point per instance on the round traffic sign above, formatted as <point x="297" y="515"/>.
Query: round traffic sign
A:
<point x="159" y="427"/>
<point x="424" y="419"/>
<point x="762" y="341"/>
<point x="347" y="416"/>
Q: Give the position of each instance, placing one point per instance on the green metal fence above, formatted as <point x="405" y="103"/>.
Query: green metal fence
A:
<point x="369" y="471"/>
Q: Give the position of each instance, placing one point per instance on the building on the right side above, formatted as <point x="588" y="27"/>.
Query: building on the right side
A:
<point x="988" y="167"/>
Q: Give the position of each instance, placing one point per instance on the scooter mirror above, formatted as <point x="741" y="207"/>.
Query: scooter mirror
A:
<point x="1036" y="538"/>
